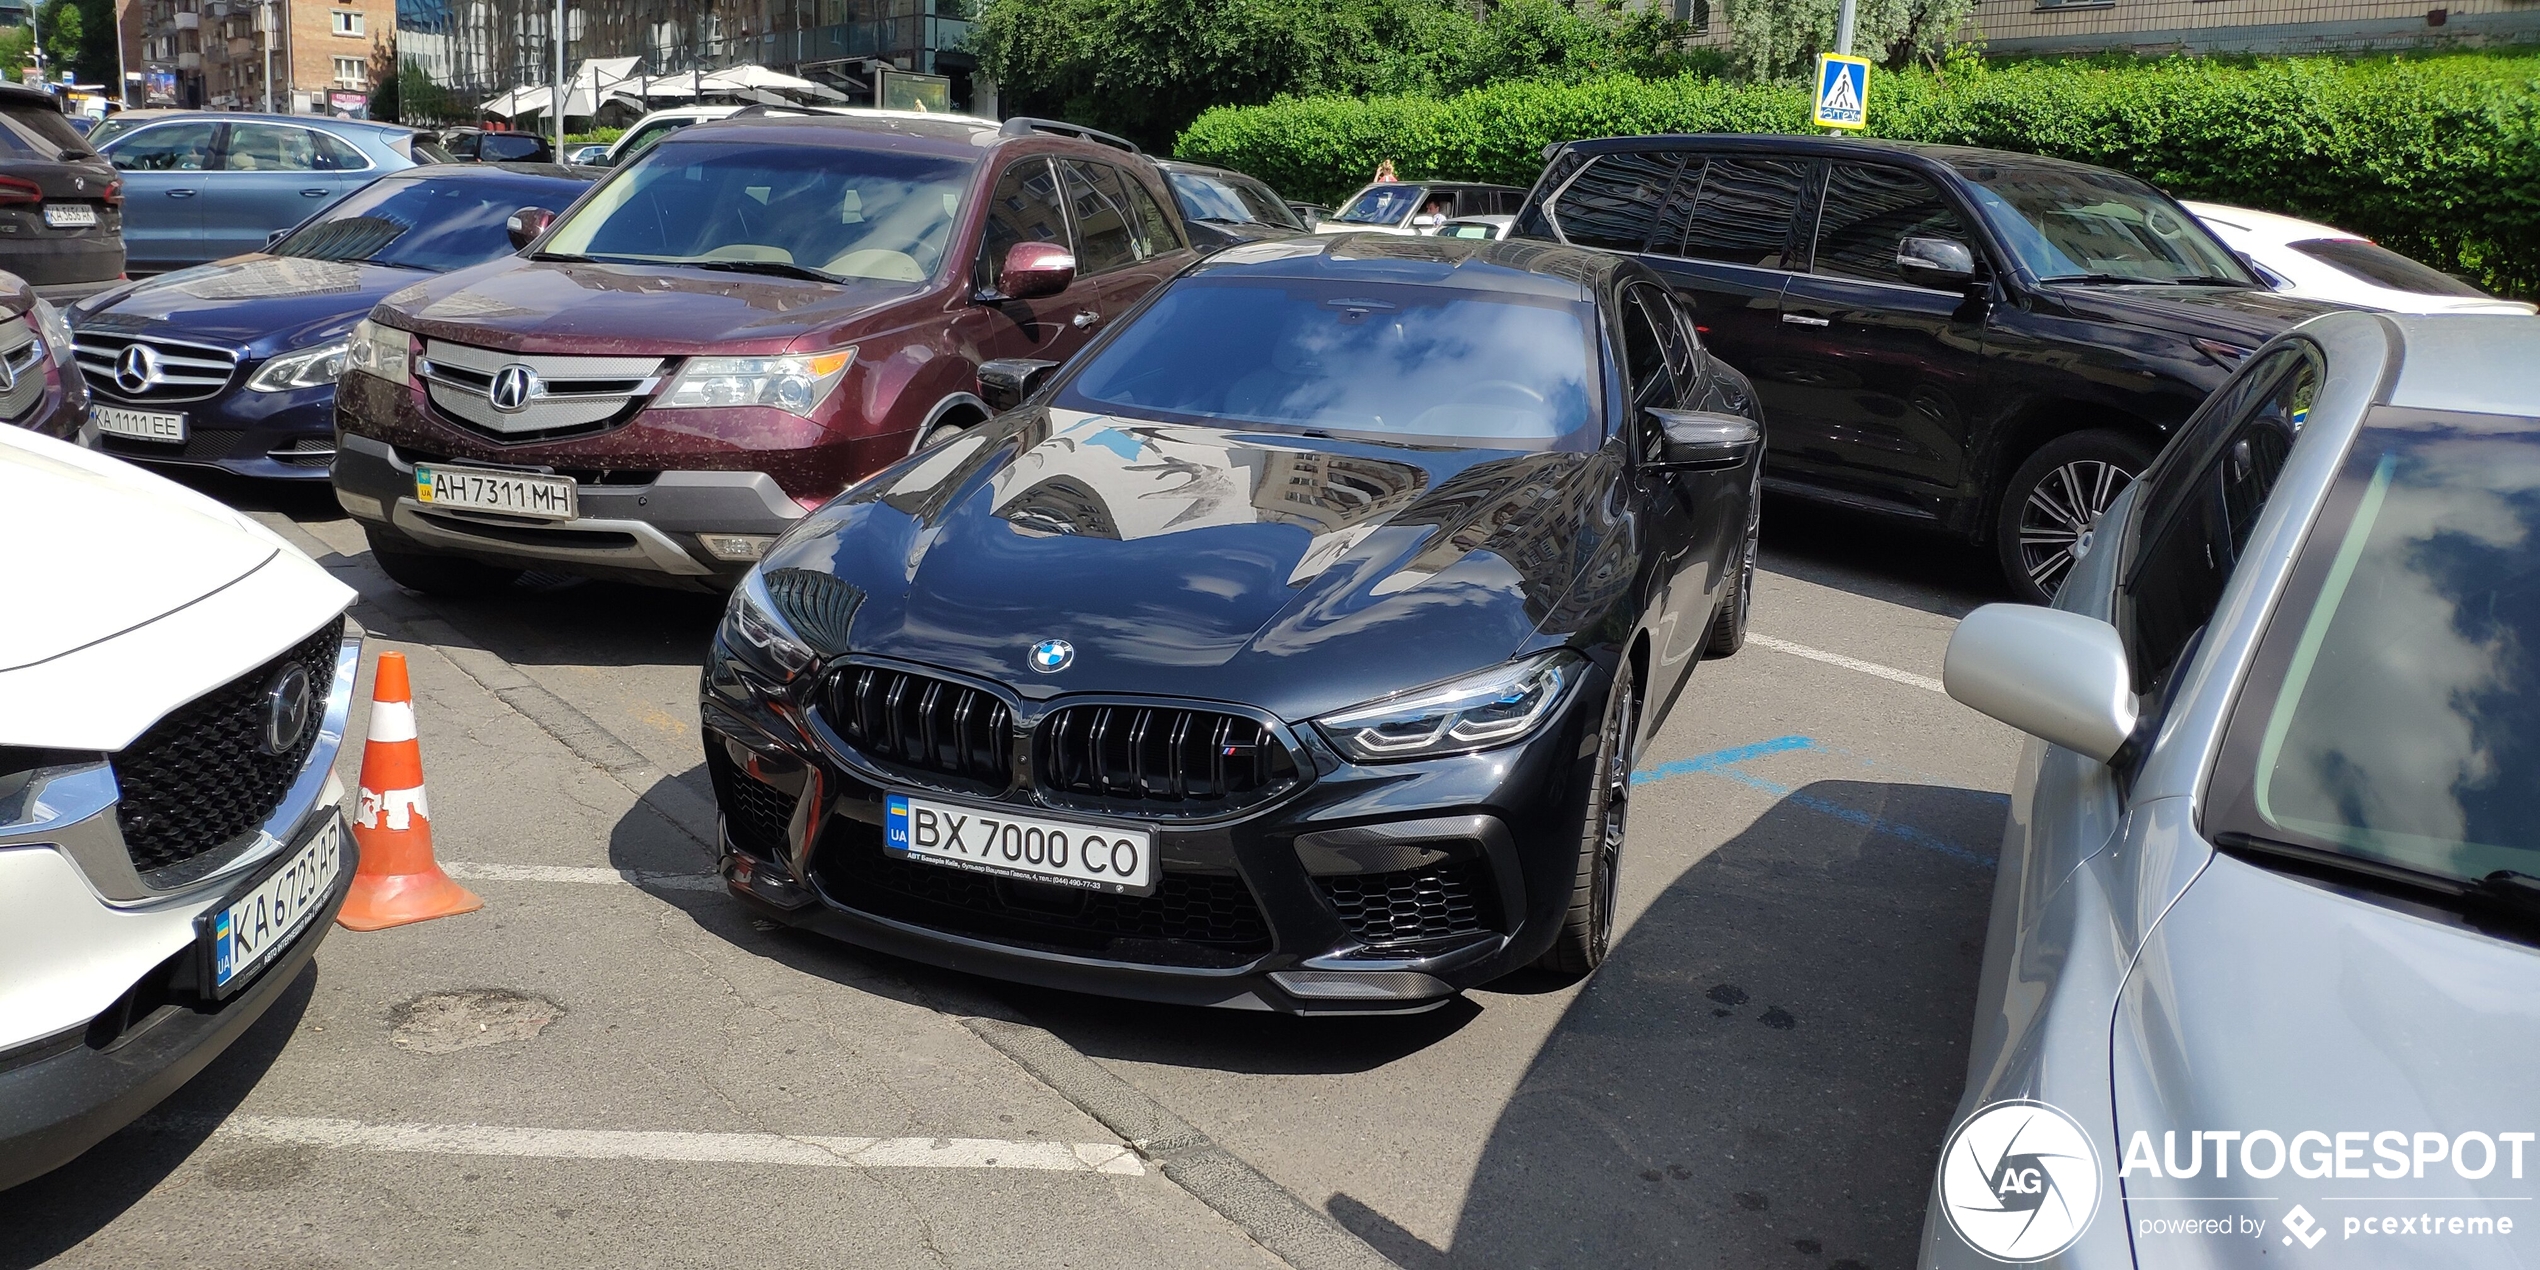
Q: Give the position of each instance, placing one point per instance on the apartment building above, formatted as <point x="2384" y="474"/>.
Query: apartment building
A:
<point x="298" y="56"/>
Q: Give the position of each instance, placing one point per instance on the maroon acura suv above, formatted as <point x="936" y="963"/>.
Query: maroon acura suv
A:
<point x="727" y="332"/>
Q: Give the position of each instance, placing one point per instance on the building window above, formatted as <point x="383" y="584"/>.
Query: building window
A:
<point x="348" y="22"/>
<point x="352" y="71"/>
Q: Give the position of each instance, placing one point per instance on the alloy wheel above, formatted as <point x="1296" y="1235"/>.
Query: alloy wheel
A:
<point x="1615" y="810"/>
<point x="2063" y="508"/>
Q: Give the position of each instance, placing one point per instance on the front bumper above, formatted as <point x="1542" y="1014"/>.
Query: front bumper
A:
<point x="283" y="436"/>
<point x="60" y="1100"/>
<point x="1492" y="838"/>
<point x="648" y="533"/>
<point x="62" y="411"/>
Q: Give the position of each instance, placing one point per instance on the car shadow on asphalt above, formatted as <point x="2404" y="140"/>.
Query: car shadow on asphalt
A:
<point x="1762" y="1072"/>
<point x="52" y="1214"/>
<point x="1880" y="557"/>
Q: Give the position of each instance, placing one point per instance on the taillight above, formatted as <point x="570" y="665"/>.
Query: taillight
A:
<point x="114" y="192"/>
<point x="15" y="190"/>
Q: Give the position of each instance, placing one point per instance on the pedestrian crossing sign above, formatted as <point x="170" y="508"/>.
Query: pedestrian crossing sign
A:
<point x="1843" y="91"/>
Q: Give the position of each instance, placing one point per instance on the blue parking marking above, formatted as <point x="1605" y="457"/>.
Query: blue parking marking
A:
<point x="1726" y="764"/>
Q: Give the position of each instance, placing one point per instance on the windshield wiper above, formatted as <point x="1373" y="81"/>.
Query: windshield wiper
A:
<point x="568" y="257"/>
<point x="772" y="268"/>
<point x="2205" y="280"/>
<point x="2103" y="279"/>
<point x="2503" y="897"/>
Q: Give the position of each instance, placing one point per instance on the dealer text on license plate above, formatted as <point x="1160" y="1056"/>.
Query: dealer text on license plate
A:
<point x="69" y="215"/>
<point x="140" y="425"/>
<point x="519" y="494"/>
<point x="1089" y="857"/>
<point x="277" y="908"/>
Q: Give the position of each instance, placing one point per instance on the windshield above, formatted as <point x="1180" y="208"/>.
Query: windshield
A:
<point x="437" y="224"/>
<point x="1213" y="198"/>
<point x="2395" y="702"/>
<point x="1420" y="362"/>
<point x="1380" y="205"/>
<point x="2383" y="267"/>
<point x="2080" y="225"/>
<point x="825" y="211"/>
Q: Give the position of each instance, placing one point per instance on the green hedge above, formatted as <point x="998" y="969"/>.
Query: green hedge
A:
<point x="2437" y="157"/>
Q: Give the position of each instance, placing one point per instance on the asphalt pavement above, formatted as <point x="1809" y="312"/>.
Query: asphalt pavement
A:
<point x="613" y="1064"/>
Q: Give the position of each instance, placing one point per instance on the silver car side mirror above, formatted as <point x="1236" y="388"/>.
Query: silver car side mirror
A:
<point x="2057" y="676"/>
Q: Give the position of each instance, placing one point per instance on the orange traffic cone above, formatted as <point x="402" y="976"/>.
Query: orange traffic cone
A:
<point x="396" y="881"/>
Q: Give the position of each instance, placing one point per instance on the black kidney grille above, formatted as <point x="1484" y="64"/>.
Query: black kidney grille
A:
<point x="1159" y="759"/>
<point x="817" y="605"/>
<point x="1435" y="902"/>
<point x="196" y="779"/>
<point x="758" y="815"/>
<point x="1192" y="919"/>
<point x="923" y="724"/>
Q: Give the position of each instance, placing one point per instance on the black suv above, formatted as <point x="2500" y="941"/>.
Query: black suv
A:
<point x="61" y="206"/>
<point x="1988" y="342"/>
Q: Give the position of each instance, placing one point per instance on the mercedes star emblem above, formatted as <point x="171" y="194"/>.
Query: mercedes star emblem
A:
<point x="137" y="369"/>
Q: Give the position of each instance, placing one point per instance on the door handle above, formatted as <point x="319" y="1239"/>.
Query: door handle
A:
<point x="180" y="193"/>
<point x="1802" y="319"/>
<point x="316" y="193"/>
<point x="1085" y="319"/>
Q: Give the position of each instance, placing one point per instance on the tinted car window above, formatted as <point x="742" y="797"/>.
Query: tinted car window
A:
<point x="2383" y="267"/>
<point x="840" y="213"/>
<point x="1206" y="196"/>
<point x="1106" y="239"/>
<point x="264" y="147"/>
<point x="2392" y="710"/>
<point x="422" y="224"/>
<point x="168" y="147"/>
<point x="647" y="135"/>
<point x="511" y="147"/>
<point x="37" y="130"/>
<point x="1743" y="214"/>
<point x="335" y="154"/>
<point x="1614" y="203"/>
<point x="1869" y="212"/>
<point x="2083" y="224"/>
<point x="1645" y="352"/>
<point x="1350" y="357"/>
<point x="1024" y="208"/>
<point x="1156" y="234"/>
<point x="1380" y="205"/>
<point x="2200" y="506"/>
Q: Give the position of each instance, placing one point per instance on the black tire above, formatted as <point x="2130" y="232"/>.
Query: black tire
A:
<point x="941" y="433"/>
<point x="439" y="575"/>
<point x="1728" y="625"/>
<point x="1587" y="930"/>
<point x="2054" y="500"/>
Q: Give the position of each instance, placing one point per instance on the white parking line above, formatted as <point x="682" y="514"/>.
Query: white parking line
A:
<point x="1889" y="673"/>
<point x="471" y="871"/>
<point x="701" y="1148"/>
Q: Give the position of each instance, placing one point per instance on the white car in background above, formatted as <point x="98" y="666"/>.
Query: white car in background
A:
<point x="657" y="125"/>
<point x="2317" y="262"/>
<point x="174" y="680"/>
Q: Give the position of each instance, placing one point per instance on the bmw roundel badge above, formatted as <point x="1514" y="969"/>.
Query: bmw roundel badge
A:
<point x="1052" y="655"/>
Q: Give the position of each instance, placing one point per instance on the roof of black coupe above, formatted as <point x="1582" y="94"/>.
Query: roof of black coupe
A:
<point x="1518" y="266"/>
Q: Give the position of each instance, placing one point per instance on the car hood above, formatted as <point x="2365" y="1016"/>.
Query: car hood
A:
<point x="2242" y="315"/>
<point x="1297" y="573"/>
<point x="157" y="545"/>
<point x="538" y="306"/>
<point x="2265" y="1002"/>
<point x="261" y="303"/>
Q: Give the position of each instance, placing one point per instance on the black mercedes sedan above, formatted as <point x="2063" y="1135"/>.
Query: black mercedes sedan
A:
<point x="1287" y="649"/>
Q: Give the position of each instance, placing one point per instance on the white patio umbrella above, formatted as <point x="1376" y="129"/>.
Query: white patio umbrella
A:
<point x="757" y="80"/>
<point x="518" y="102"/>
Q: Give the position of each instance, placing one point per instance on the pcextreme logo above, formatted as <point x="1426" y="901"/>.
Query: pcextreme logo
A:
<point x="2020" y="1181"/>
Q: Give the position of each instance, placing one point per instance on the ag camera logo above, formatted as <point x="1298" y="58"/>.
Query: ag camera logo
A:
<point x="2020" y="1181"/>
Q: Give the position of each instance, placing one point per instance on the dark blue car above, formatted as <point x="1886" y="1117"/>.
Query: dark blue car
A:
<point x="233" y="364"/>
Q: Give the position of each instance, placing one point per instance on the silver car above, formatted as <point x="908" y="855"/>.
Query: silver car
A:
<point x="2261" y="985"/>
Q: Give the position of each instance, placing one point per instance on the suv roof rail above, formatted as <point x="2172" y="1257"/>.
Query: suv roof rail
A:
<point x="758" y="109"/>
<point x="1026" y="125"/>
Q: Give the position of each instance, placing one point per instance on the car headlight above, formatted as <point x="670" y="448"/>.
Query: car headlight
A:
<point x="55" y="332"/>
<point x="796" y="383"/>
<point x="752" y="629"/>
<point x="309" y="368"/>
<point x="1494" y="707"/>
<point x="379" y="350"/>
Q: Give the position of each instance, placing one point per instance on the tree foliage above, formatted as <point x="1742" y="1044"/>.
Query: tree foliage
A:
<point x="2437" y="157"/>
<point x="79" y="37"/>
<point x="1777" y="39"/>
<point x="1146" y="68"/>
